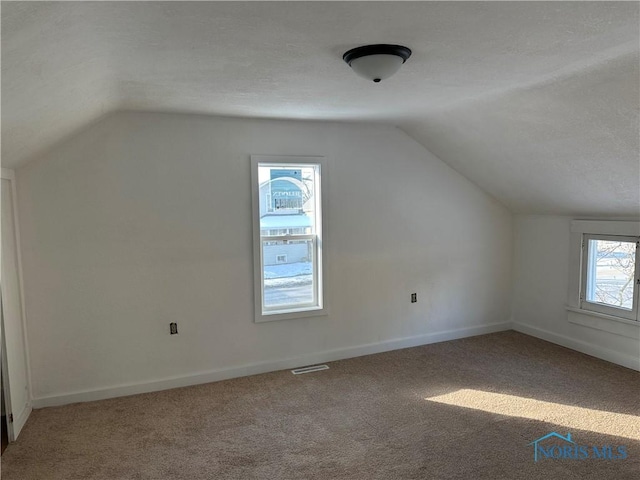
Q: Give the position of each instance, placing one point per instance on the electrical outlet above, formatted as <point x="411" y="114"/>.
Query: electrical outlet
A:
<point x="173" y="328"/>
<point x="414" y="297"/>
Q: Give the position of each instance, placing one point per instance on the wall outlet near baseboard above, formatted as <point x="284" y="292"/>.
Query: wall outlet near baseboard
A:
<point x="173" y="328"/>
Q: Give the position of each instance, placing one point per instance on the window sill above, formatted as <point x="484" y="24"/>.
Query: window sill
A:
<point x="604" y="322"/>
<point x="291" y="315"/>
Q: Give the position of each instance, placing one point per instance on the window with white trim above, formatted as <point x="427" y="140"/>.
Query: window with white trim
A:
<point x="610" y="280"/>
<point x="288" y="236"/>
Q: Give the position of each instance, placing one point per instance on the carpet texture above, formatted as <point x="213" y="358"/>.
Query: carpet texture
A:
<point x="465" y="409"/>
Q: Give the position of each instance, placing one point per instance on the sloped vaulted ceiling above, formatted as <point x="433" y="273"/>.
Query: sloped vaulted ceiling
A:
<point x="537" y="103"/>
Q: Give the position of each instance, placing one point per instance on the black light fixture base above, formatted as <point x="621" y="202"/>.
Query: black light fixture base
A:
<point x="379" y="49"/>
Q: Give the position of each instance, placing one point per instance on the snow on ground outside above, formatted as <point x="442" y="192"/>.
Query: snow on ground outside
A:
<point x="288" y="275"/>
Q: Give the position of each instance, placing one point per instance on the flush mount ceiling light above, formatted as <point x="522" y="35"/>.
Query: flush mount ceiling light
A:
<point x="376" y="62"/>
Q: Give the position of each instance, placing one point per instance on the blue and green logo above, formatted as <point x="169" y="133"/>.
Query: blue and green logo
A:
<point x="555" y="446"/>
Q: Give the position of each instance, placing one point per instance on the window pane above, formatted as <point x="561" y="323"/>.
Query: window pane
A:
<point x="288" y="206"/>
<point x="610" y="273"/>
<point x="288" y="273"/>
<point x="287" y="198"/>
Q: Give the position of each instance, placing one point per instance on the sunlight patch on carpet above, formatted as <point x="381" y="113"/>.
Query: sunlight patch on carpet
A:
<point x="598" y="421"/>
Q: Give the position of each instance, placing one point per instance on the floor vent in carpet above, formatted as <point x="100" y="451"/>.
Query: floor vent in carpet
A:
<point x="313" y="368"/>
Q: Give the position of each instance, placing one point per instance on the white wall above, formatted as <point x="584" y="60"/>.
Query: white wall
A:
<point x="145" y="219"/>
<point x="542" y="271"/>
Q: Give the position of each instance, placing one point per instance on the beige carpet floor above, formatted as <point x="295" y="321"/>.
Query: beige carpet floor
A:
<point x="465" y="409"/>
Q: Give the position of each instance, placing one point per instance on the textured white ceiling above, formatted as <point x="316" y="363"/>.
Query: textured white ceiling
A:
<point x="537" y="103"/>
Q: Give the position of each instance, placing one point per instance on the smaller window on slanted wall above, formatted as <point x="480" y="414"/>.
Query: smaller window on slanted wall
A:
<point x="610" y="282"/>
<point x="604" y="277"/>
<point x="289" y="232"/>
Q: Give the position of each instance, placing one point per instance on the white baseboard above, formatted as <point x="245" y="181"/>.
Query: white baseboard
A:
<point x="263" y="367"/>
<point x="597" y="351"/>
